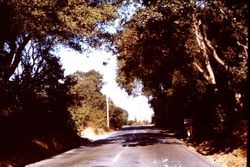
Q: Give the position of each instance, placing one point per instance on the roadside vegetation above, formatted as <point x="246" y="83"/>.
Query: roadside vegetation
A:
<point x="225" y="151"/>
<point x="35" y="96"/>
<point x="188" y="57"/>
<point x="90" y="106"/>
<point x="136" y="122"/>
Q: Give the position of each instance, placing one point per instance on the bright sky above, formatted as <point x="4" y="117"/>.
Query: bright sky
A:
<point x="137" y="107"/>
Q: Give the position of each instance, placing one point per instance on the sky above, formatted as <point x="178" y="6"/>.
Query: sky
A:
<point x="137" y="107"/>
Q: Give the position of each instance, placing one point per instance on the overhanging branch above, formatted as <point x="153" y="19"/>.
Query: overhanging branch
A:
<point x="215" y="55"/>
<point x="200" y="40"/>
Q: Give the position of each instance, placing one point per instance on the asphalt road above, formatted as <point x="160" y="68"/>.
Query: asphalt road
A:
<point x="137" y="146"/>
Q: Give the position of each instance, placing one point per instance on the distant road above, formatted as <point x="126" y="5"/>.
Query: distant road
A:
<point x="132" y="146"/>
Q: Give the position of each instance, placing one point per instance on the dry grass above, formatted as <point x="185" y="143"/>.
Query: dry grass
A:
<point x="19" y="153"/>
<point x="234" y="152"/>
<point x="94" y="134"/>
<point x="237" y="158"/>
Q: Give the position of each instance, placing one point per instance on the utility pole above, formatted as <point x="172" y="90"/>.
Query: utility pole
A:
<point x="107" y="101"/>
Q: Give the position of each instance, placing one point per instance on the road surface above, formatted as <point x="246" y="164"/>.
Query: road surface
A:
<point x="135" y="146"/>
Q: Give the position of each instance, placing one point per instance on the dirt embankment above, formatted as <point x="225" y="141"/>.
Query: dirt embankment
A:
<point x="95" y="134"/>
<point x="225" y="151"/>
<point x="20" y="151"/>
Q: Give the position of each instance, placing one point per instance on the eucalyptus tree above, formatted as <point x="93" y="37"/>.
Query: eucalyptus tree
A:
<point x="191" y="58"/>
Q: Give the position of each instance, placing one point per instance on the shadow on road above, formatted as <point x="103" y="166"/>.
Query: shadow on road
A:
<point x="145" y="136"/>
<point x="126" y="128"/>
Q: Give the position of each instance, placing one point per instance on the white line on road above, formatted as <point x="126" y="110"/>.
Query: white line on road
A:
<point x="119" y="154"/>
<point x="134" y="132"/>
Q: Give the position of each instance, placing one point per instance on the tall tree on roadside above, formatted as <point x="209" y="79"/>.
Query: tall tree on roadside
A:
<point x="37" y="93"/>
<point x="191" y="58"/>
<point x="71" y="22"/>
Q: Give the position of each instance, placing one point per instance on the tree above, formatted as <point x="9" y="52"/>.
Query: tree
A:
<point x="70" y="22"/>
<point x="37" y="96"/>
<point x="118" y="116"/>
<point x="190" y="58"/>
<point x="90" y="103"/>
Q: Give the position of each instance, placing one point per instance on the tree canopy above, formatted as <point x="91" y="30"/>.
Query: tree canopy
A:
<point x="191" y="58"/>
<point x="70" y="22"/>
<point x="90" y="104"/>
<point x="35" y="95"/>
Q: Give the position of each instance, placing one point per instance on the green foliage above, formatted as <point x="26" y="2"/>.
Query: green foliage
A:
<point x="90" y="104"/>
<point x="118" y="117"/>
<point x="33" y="88"/>
<point x="60" y="18"/>
<point x="37" y="97"/>
<point x="191" y="59"/>
<point x="135" y="122"/>
<point x="69" y="22"/>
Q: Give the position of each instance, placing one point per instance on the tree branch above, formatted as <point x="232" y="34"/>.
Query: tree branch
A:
<point x="200" y="40"/>
<point x="215" y="55"/>
<point x="244" y="47"/>
<point x="16" y="59"/>
<point x="200" y="69"/>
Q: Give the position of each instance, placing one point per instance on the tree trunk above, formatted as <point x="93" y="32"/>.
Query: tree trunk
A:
<point x="14" y="58"/>
<point x="208" y="74"/>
